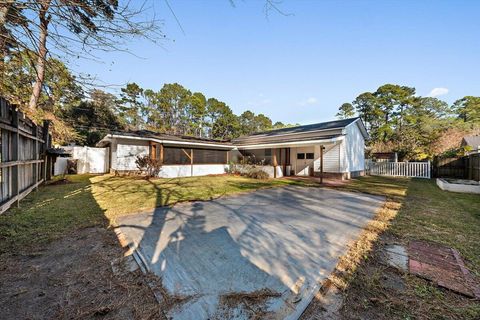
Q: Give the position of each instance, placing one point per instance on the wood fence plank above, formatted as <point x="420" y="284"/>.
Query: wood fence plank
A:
<point x="21" y="150"/>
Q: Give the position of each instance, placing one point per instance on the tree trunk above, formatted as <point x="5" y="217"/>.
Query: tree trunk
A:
<point x="4" y="7"/>
<point x="42" y="56"/>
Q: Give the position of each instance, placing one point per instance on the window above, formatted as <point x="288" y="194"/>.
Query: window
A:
<point x="309" y="155"/>
<point x="301" y="156"/>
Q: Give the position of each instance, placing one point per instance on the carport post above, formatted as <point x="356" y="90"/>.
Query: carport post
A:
<point x="191" y="162"/>
<point x="321" y="163"/>
<point x="161" y="153"/>
<point x="274" y="151"/>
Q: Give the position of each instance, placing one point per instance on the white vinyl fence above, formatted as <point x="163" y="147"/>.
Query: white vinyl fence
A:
<point x="399" y="169"/>
<point x="89" y="160"/>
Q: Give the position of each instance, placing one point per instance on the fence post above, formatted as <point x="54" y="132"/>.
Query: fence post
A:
<point x="15" y="154"/>
<point x="46" y="125"/>
<point x="35" y="152"/>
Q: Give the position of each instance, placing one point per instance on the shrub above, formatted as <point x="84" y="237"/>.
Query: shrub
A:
<point x="247" y="169"/>
<point x="257" y="174"/>
<point x="151" y="167"/>
<point x="233" y="168"/>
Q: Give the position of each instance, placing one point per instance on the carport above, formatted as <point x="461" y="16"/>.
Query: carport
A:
<point x="280" y="241"/>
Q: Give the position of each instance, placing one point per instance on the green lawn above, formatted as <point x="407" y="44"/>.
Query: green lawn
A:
<point x="419" y="209"/>
<point x="428" y="213"/>
<point x="120" y="195"/>
<point x="452" y="219"/>
<point x="90" y="200"/>
<point x="423" y="212"/>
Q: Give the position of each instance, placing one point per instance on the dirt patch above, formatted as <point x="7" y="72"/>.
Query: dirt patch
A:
<point x="73" y="278"/>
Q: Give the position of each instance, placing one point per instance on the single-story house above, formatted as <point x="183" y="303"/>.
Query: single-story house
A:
<point x="471" y="141"/>
<point x="336" y="148"/>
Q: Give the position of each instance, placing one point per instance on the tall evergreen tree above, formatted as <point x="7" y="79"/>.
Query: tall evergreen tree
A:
<point x="468" y="109"/>
<point x="132" y="107"/>
<point x="345" y="111"/>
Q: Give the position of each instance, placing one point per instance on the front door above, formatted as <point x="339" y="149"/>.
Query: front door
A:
<point x="304" y="163"/>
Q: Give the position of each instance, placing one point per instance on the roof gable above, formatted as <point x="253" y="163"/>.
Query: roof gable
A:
<point x="473" y="141"/>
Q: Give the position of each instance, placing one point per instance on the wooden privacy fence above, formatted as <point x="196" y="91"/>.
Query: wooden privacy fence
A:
<point x="474" y="167"/>
<point x="466" y="167"/>
<point x="399" y="169"/>
<point x="22" y="155"/>
<point x="450" y="167"/>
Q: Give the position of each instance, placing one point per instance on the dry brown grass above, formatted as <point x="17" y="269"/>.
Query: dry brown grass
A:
<point x="359" y="249"/>
<point x="252" y="304"/>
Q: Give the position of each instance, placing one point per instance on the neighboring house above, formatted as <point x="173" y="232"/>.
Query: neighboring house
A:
<point x="338" y="146"/>
<point x="385" y="156"/>
<point x="471" y="141"/>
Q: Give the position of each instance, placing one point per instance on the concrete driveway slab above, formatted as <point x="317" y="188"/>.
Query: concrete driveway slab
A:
<point x="279" y="241"/>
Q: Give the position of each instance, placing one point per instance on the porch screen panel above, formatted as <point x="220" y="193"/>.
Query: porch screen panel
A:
<point x="258" y="156"/>
<point x="209" y="156"/>
<point x="173" y="155"/>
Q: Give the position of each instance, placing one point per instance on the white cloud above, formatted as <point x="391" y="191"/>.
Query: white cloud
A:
<point x="438" y="92"/>
<point x="309" y="101"/>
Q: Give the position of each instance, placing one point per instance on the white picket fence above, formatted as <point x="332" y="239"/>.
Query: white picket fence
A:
<point x="399" y="169"/>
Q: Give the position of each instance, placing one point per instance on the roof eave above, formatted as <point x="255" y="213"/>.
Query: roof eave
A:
<point x="167" y="141"/>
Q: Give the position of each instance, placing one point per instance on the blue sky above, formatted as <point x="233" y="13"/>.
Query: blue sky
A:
<point x="299" y="68"/>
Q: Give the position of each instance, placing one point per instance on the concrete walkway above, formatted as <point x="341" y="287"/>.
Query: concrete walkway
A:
<point x="282" y="241"/>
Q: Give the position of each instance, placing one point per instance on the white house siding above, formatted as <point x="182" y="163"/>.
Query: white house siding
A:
<point x="354" y="157"/>
<point x="331" y="158"/>
<point x="125" y="152"/>
<point x="174" y="171"/>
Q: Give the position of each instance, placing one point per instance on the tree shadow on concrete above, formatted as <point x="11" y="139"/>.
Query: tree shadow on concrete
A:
<point x="275" y="239"/>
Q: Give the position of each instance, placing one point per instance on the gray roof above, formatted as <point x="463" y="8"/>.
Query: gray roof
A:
<point x="323" y="130"/>
<point x="309" y="127"/>
<point x="473" y="141"/>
